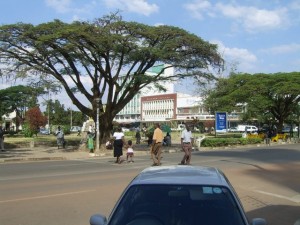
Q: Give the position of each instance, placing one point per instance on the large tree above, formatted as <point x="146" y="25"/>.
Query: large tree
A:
<point x="99" y="53"/>
<point x="272" y="97"/>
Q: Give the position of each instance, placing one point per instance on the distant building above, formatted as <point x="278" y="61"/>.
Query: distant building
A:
<point x="131" y="113"/>
<point x="158" y="108"/>
<point x="9" y="122"/>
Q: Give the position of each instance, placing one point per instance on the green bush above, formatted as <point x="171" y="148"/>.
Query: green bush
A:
<point x="27" y="131"/>
<point x="220" y="142"/>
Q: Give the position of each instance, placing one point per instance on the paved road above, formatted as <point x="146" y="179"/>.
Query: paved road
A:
<point x="68" y="192"/>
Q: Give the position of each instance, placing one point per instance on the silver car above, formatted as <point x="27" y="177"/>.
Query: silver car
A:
<point x="178" y="195"/>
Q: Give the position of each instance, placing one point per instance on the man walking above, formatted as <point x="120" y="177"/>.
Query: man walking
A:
<point x="156" y="145"/>
<point x="187" y="141"/>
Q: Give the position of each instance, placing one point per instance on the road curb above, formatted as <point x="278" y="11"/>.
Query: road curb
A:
<point x="32" y="159"/>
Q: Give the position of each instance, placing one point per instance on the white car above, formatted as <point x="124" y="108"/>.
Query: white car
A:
<point x="251" y="129"/>
<point x="169" y="195"/>
<point x="75" y="129"/>
<point x="124" y="129"/>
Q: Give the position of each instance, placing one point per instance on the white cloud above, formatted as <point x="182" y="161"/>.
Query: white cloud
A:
<point x="283" y="49"/>
<point x="61" y="6"/>
<point x="199" y="8"/>
<point x="136" y="6"/>
<point x="67" y="6"/>
<point x="243" y="58"/>
<point x="252" y="19"/>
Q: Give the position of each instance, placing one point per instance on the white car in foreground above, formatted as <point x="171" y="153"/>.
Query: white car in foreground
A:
<point x="178" y="195"/>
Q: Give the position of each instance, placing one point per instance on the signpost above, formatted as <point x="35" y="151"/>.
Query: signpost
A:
<point x="221" y="122"/>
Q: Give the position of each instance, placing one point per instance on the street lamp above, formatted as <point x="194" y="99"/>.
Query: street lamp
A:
<point x="97" y="125"/>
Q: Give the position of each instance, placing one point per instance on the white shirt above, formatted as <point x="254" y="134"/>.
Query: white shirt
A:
<point x="118" y="135"/>
<point x="130" y="150"/>
<point x="187" y="136"/>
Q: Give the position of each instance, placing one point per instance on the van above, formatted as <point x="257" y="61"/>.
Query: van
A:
<point x="247" y="128"/>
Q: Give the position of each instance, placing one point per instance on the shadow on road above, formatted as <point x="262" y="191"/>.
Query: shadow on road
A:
<point x="273" y="214"/>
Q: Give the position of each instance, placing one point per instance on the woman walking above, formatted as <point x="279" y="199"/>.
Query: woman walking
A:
<point x="118" y="144"/>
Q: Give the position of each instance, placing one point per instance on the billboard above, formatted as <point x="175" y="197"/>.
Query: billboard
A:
<point x="221" y="121"/>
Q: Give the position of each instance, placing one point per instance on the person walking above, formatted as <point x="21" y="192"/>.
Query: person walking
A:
<point x="156" y="145"/>
<point x="187" y="141"/>
<point x="130" y="153"/>
<point x="60" y="137"/>
<point x="119" y="141"/>
<point x="1" y="138"/>
<point x="138" y="136"/>
<point x="269" y="136"/>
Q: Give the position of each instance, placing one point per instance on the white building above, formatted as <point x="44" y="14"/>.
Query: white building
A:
<point x="152" y="105"/>
<point x="131" y="113"/>
<point x="9" y="121"/>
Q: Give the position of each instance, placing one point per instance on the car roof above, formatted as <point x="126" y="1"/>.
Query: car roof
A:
<point x="180" y="174"/>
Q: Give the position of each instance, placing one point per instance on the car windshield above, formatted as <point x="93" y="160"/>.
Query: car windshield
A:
<point x="177" y="205"/>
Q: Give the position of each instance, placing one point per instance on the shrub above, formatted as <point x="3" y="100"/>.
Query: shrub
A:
<point x="27" y="131"/>
<point x="219" y="142"/>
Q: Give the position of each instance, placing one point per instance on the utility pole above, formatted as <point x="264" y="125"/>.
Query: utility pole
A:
<point x="97" y="125"/>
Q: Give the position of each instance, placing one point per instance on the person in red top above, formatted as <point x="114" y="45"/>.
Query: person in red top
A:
<point x="156" y="145"/>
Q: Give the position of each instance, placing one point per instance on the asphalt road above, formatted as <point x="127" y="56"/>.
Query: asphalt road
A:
<point x="68" y="192"/>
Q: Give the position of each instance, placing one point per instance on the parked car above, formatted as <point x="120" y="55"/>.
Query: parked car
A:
<point x="288" y="129"/>
<point x="168" y="195"/>
<point x="248" y="128"/>
<point x="44" y="131"/>
<point x="75" y="129"/>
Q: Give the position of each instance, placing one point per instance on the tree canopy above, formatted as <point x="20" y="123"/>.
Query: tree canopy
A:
<point x="98" y="53"/>
<point x="265" y="96"/>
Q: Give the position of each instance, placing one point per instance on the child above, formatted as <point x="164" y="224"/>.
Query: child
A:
<point x="130" y="151"/>
<point x="109" y="145"/>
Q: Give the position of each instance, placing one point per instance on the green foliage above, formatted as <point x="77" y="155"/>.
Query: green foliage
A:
<point x="27" y="131"/>
<point x="220" y="142"/>
<point x="18" y="98"/>
<point x="264" y="96"/>
<point x="65" y="129"/>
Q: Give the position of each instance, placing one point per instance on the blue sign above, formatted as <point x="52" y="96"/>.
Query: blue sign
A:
<point x="221" y="121"/>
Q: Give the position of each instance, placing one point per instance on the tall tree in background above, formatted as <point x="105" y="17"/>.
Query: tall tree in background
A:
<point x="57" y="113"/>
<point x="101" y="52"/>
<point x="265" y="97"/>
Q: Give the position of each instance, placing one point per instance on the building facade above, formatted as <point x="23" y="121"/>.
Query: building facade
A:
<point x="158" y="108"/>
<point x="132" y="113"/>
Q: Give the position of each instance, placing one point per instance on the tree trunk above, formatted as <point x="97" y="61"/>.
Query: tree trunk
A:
<point x="105" y="128"/>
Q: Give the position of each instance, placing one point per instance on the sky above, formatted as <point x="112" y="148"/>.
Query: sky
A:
<point x="253" y="36"/>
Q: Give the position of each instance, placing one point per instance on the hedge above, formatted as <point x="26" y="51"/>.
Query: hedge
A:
<point x="220" y="142"/>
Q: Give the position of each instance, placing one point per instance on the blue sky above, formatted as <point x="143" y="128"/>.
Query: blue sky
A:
<point x="253" y="35"/>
